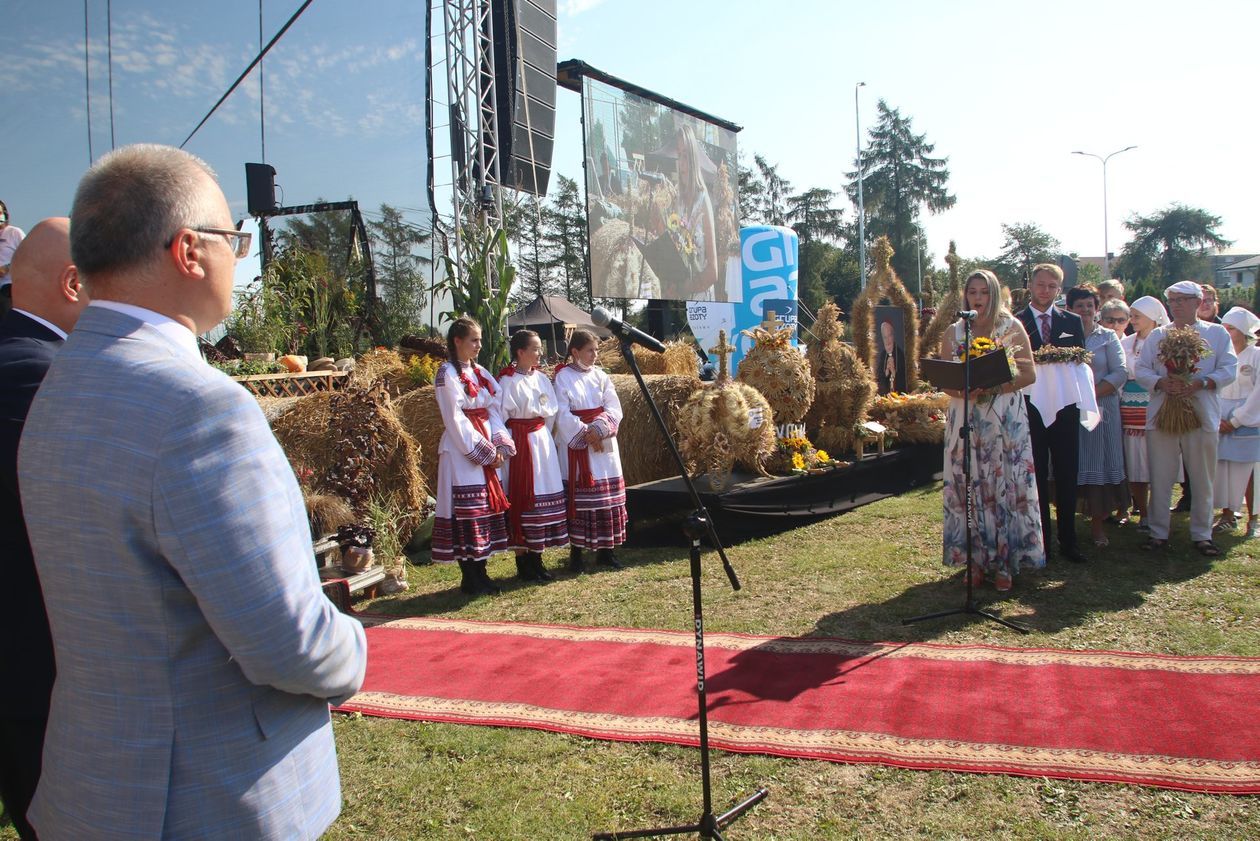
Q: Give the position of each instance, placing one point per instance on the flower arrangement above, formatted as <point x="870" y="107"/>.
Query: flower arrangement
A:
<point x="983" y="346"/>
<point x="797" y="455"/>
<point x="1051" y="355"/>
<point x="422" y="369"/>
<point x="1181" y="351"/>
<point x="684" y="241"/>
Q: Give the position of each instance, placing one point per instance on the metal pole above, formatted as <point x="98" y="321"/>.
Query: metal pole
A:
<point x="857" y="114"/>
<point x="1106" y="241"/>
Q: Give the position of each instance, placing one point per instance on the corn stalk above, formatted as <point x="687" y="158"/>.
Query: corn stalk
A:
<point x="480" y="283"/>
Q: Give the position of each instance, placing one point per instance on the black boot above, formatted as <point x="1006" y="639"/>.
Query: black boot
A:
<point x="468" y="582"/>
<point x="575" y="559"/>
<point x="606" y="558"/>
<point x="488" y="587"/>
<point x="525" y="567"/>
<point x="540" y="571"/>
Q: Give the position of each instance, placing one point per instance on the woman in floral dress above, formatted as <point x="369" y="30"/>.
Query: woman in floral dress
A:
<point x="1007" y="533"/>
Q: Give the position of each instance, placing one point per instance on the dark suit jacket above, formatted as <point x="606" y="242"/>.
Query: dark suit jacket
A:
<point x="27" y="349"/>
<point x="1066" y="329"/>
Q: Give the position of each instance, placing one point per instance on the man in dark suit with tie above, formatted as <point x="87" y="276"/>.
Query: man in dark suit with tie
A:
<point x="47" y="300"/>
<point x="1057" y="440"/>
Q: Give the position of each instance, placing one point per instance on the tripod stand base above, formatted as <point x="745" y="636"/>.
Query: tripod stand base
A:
<point x="709" y="825"/>
<point x="969" y="610"/>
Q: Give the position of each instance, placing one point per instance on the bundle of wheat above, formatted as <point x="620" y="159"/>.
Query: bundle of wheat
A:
<point x="844" y="385"/>
<point x="418" y="413"/>
<point x="385" y="366"/>
<point x="930" y="345"/>
<point x="723" y="426"/>
<point x="780" y="372"/>
<point x="645" y="456"/>
<point x="610" y="359"/>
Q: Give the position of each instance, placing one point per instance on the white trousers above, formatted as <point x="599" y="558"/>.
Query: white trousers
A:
<point x="1231" y="483"/>
<point x="1197" y="453"/>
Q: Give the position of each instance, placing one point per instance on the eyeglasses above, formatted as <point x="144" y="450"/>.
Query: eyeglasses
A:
<point x="1114" y="320"/>
<point x="238" y="241"/>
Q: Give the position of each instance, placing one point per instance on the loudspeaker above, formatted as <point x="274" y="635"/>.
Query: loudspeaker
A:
<point x="525" y="91"/>
<point x="260" y="189"/>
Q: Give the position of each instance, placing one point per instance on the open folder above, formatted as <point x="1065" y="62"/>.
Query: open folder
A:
<point x="988" y="371"/>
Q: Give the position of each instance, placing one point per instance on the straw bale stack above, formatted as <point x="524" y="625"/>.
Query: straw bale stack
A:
<point x="310" y="433"/>
<point x="418" y="413"/>
<point x="382" y="365"/>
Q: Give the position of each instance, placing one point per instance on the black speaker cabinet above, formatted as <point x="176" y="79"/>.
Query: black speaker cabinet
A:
<point x="260" y="189"/>
<point x="525" y="90"/>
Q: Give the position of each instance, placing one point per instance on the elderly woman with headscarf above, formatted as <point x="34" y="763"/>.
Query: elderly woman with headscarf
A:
<point x="1239" y="448"/>
<point x="1145" y="314"/>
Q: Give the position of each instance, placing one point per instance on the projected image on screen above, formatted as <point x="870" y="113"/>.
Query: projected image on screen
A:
<point x="661" y="200"/>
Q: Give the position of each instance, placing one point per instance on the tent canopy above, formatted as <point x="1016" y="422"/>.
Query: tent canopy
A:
<point x="545" y="310"/>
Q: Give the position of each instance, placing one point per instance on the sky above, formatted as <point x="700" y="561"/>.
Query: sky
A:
<point x="1005" y="90"/>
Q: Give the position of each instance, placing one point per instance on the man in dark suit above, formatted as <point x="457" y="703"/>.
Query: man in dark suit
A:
<point x="1057" y="440"/>
<point x="890" y="362"/>
<point x="47" y="300"/>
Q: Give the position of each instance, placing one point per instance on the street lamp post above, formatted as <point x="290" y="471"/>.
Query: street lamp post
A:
<point x="857" y="114"/>
<point x="1106" y="248"/>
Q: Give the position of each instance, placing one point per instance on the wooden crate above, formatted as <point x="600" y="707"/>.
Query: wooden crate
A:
<point x="293" y="385"/>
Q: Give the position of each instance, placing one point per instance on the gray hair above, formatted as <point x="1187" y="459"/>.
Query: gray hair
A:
<point x="1114" y="305"/>
<point x="997" y="306"/>
<point x="1112" y="285"/>
<point x="132" y="201"/>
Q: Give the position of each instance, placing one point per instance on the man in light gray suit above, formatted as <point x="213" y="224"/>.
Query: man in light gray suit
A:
<point x="196" y="655"/>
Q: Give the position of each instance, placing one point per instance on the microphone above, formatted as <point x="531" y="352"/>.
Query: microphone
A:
<point x="963" y="314"/>
<point x="625" y="332"/>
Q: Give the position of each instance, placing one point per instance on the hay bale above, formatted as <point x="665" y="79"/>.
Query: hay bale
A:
<point x="418" y="413"/>
<point x="308" y="431"/>
<point x="681" y="359"/>
<point x="326" y="513"/>
<point x="274" y="407"/>
<point x="645" y="456"/>
<point x="610" y="359"/>
<point x="385" y="366"/>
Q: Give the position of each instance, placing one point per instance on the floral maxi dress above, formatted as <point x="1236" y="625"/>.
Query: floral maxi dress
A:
<point x="1006" y="536"/>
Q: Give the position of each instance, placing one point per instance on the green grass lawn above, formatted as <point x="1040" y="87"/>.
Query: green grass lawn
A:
<point x="852" y="576"/>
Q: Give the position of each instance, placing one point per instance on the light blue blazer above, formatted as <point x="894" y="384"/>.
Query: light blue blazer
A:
<point x="196" y="655"/>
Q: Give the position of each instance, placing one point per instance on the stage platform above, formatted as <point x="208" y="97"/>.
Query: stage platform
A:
<point x="757" y="505"/>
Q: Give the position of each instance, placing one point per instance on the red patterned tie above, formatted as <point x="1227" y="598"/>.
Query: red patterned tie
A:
<point x="1045" y="328"/>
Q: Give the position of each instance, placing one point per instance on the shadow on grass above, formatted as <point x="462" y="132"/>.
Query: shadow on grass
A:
<point x="1063" y="595"/>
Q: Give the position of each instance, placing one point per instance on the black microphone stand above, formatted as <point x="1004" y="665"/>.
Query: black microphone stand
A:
<point x="697" y="526"/>
<point x="969" y="607"/>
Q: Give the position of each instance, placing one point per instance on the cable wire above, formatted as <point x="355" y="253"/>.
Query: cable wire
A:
<point x="87" y="82"/>
<point x="109" y="46"/>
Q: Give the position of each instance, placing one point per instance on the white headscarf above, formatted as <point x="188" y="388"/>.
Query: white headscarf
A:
<point x="1152" y="308"/>
<point x="1241" y="320"/>
<point x="1185" y="287"/>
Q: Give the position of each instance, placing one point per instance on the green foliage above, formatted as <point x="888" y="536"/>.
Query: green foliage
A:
<point x="257" y="321"/>
<point x="813" y="217"/>
<point x="480" y="280"/>
<point x="241" y="368"/>
<point x="318" y="305"/>
<point x="565" y="237"/>
<point x="400" y="275"/>
<point x="899" y="178"/>
<point x="1092" y="273"/>
<point x="1170" y="245"/>
<point x="1023" y="246"/>
<point x="773" y="207"/>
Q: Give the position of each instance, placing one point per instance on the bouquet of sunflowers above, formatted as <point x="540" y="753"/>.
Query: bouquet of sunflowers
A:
<point x="1181" y="351"/>
<point x="982" y="346"/>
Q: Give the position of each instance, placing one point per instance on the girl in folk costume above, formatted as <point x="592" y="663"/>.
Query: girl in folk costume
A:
<point x="470" y="523"/>
<point x="538" y="518"/>
<point x="586" y="430"/>
<point x="1239" y="447"/>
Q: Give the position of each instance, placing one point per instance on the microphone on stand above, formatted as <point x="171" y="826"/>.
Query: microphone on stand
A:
<point x="625" y="332"/>
<point x="963" y="314"/>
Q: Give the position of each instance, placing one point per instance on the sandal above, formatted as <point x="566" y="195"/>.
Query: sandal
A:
<point x="1155" y="543"/>
<point x="1207" y="548"/>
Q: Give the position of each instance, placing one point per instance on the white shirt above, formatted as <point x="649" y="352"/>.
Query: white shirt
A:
<point x="178" y="334"/>
<point x="1221" y="367"/>
<point x="33" y="317"/>
<point x="10" y="239"/>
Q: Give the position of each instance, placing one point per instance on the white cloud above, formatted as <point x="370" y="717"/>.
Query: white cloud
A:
<point x="571" y="8"/>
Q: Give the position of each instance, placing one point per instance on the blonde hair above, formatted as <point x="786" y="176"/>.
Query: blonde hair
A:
<point x="1048" y="267"/>
<point x="997" y="305"/>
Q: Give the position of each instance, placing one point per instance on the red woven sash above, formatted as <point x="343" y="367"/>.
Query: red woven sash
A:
<point x="521" y="473"/>
<point x="580" y="460"/>
<point x="494" y="490"/>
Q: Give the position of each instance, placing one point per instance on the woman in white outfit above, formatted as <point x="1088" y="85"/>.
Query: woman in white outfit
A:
<point x="538" y="518"/>
<point x="1239" y="448"/>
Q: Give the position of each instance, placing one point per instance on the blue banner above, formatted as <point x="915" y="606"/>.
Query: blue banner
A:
<point x="769" y="266"/>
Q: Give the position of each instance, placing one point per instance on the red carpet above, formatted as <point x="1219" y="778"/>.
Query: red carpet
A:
<point x="1189" y="723"/>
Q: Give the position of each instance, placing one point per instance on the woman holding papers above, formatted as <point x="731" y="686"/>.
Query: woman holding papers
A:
<point x="1006" y="536"/>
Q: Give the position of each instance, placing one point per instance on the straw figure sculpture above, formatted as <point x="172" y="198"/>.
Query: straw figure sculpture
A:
<point x="886" y="284"/>
<point x="616" y="257"/>
<point x="352" y="445"/>
<point x="947" y="312"/>
<point x="779" y="371"/>
<point x="844" y="386"/>
<point x="725" y="425"/>
<point x="679" y="359"/>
